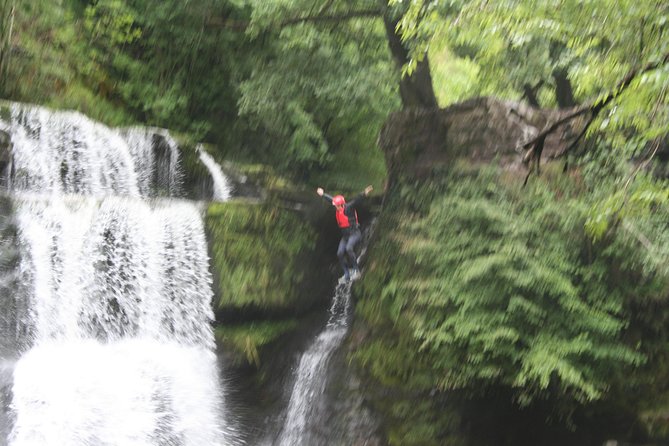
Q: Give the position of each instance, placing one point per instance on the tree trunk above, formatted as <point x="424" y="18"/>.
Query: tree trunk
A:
<point x="564" y="94"/>
<point x="415" y="89"/>
<point x="6" y="25"/>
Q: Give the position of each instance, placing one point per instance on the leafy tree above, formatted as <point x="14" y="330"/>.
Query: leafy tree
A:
<point x="326" y="73"/>
<point x="166" y="63"/>
<point x="314" y="86"/>
<point x="588" y="44"/>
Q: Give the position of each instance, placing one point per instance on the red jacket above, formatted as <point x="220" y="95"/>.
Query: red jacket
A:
<point x="347" y="217"/>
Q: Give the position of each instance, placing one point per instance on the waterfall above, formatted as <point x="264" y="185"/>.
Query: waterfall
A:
<point x="222" y="188"/>
<point x="310" y="381"/>
<point x="155" y="152"/>
<point x="109" y="339"/>
<point x="65" y="152"/>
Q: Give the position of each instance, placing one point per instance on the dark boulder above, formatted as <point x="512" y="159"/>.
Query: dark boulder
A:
<point x="417" y="141"/>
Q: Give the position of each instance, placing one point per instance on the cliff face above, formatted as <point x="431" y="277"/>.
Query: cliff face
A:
<point x="417" y="141"/>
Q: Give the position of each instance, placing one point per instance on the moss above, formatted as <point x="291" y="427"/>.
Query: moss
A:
<point x="656" y="421"/>
<point x="247" y="340"/>
<point x="261" y="255"/>
<point x="265" y="176"/>
<point x="5" y="111"/>
<point x="190" y="160"/>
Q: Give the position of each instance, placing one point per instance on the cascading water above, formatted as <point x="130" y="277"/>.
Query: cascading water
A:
<point x="222" y="188"/>
<point x="157" y="170"/>
<point x="109" y="333"/>
<point x="310" y="381"/>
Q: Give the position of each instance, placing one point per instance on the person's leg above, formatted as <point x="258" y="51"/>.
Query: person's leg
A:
<point x="341" y="254"/>
<point x="353" y="240"/>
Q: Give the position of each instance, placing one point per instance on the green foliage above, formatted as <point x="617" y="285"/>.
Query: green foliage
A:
<point x="7" y="12"/>
<point x="510" y="47"/>
<point x="455" y="79"/>
<point x="249" y="339"/>
<point x="259" y="254"/>
<point x="428" y="424"/>
<point x="111" y="22"/>
<point x="638" y="215"/>
<point x="123" y="61"/>
<point x="172" y="74"/>
<point x="356" y="163"/>
<point x="48" y="60"/>
<point x="298" y="95"/>
<point x="475" y="283"/>
<point x="316" y="88"/>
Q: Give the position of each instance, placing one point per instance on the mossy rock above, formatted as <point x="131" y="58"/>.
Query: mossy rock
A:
<point x="246" y="341"/>
<point x="197" y="182"/>
<point x="5" y="111"/>
<point x="263" y="257"/>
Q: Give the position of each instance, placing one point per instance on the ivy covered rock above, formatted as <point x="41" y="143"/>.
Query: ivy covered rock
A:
<point x="263" y="257"/>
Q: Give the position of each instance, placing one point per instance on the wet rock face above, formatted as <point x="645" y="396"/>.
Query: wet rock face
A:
<point x="419" y="140"/>
<point x="5" y="158"/>
<point x="12" y="307"/>
<point x="350" y="419"/>
<point x="161" y="173"/>
<point x="5" y="141"/>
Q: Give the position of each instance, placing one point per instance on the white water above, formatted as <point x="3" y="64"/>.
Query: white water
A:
<point x="115" y="268"/>
<point x="132" y="392"/>
<point x="139" y="141"/>
<point x="310" y="381"/>
<point x="115" y="296"/>
<point x="65" y="152"/>
<point x="222" y="188"/>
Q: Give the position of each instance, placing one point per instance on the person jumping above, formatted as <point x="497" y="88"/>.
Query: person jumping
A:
<point x="347" y="220"/>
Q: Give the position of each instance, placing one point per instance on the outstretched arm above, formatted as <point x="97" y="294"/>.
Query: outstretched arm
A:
<point x="363" y="194"/>
<point x="322" y="193"/>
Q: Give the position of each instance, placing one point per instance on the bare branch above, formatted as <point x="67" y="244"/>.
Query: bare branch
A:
<point x="576" y="140"/>
<point x="594" y="108"/>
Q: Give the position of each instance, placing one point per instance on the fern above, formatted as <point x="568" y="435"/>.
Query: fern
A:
<point x="496" y="288"/>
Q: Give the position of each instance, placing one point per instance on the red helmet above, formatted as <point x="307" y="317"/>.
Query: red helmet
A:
<point x="338" y="200"/>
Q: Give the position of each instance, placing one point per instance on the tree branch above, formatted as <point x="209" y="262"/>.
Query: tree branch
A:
<point x="335" y="17"/>
<point x="594" y="108"/>
<point x="238" y="25"/>
<point x="225" y="23"/>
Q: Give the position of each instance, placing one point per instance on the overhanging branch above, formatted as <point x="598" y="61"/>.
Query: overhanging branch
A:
<point x="592" y="108"/>
<point x="333" y="17"/>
